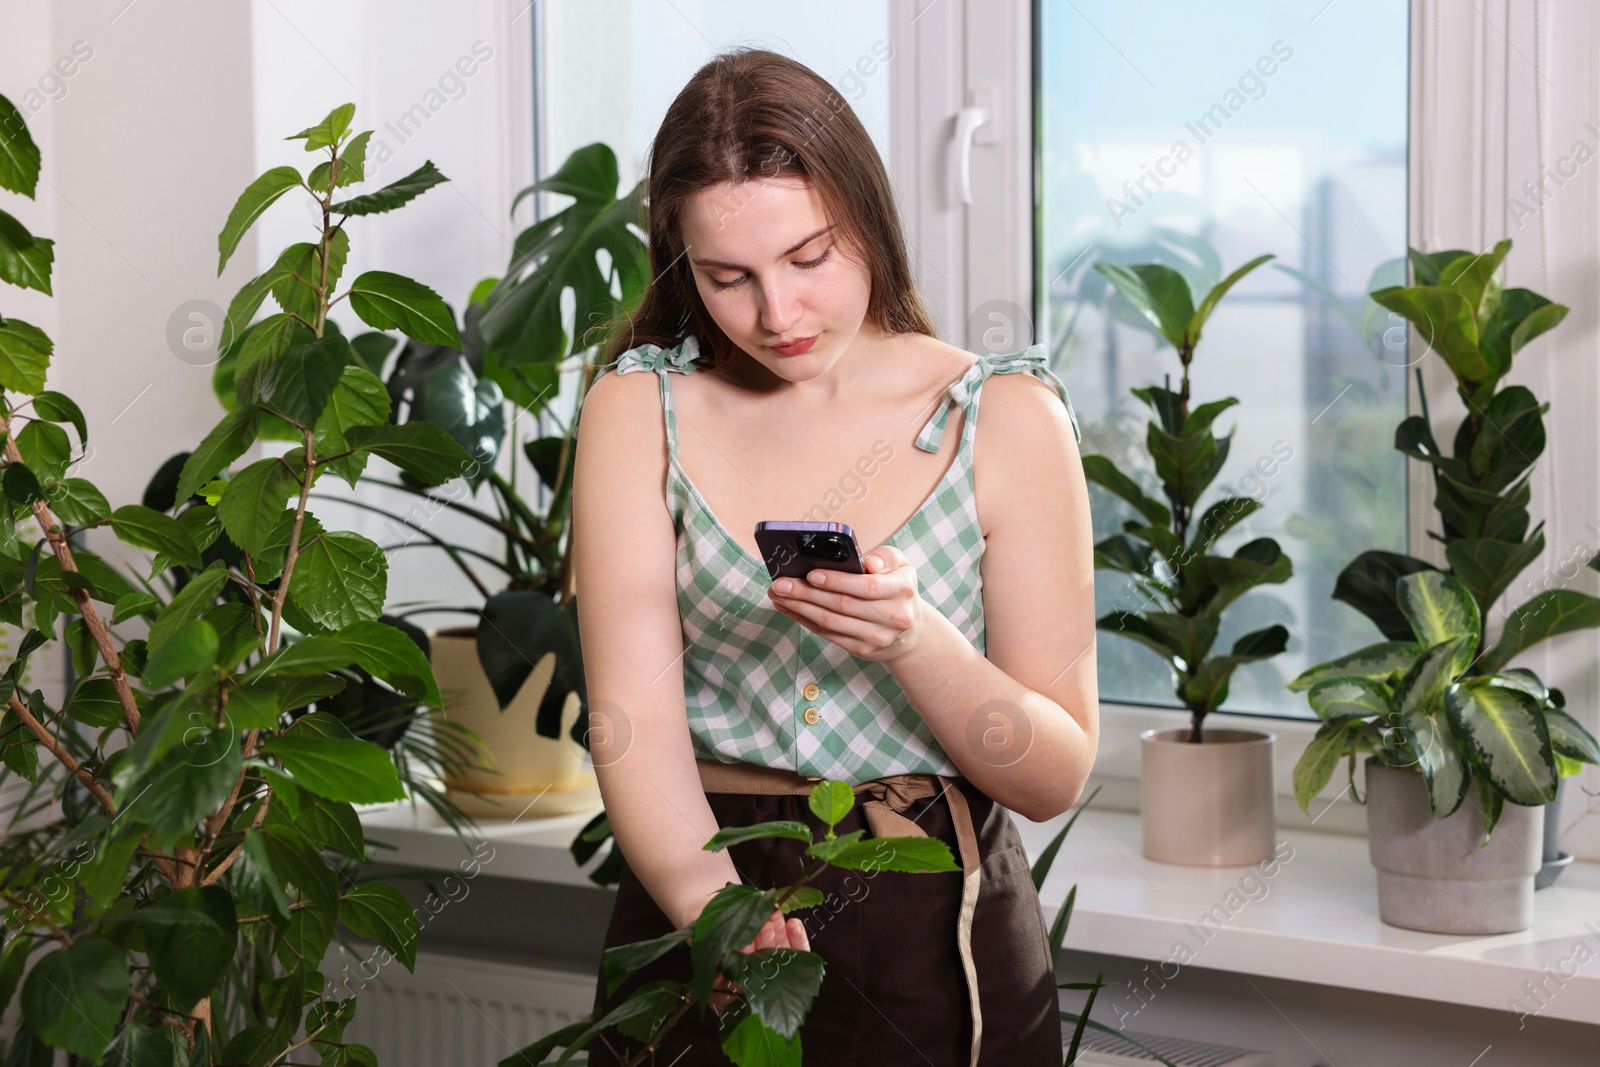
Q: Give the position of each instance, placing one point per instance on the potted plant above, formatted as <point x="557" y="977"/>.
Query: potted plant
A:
<point x="1482" y="489"/>
<point x="1206" y="796"/>
<point x="1435" y="721"/>
<point x="176" y="901"/>
<point x="513" y="676"/>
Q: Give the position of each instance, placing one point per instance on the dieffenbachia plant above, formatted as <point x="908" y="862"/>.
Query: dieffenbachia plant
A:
<point x="1482" y="488"/>
<point x="1166" y="551"/>
<point x="776" y="986"/>
<point x="1433" y="704"/>
<point x="177" y="906"/>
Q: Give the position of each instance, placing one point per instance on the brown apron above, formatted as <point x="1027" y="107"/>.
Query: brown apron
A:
<point x="951" y="969"/>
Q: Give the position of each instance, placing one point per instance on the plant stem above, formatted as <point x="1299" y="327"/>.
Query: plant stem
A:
<point x="91" y="616"/>
<point x="293" y="551"/>
<point x="56" y="749"/>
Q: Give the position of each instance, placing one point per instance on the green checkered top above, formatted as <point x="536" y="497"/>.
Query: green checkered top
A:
<point x="747" y="666"/>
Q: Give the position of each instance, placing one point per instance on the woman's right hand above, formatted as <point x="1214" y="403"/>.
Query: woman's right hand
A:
<point x="774" y="933"/>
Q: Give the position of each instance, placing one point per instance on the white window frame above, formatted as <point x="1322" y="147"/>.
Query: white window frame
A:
<point x="1476" y="107"/>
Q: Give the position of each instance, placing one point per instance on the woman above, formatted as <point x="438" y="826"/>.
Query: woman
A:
<point x="798" y="377"/>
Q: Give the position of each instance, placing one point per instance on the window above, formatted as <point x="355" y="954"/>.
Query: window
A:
<point x="1201" y="139"/>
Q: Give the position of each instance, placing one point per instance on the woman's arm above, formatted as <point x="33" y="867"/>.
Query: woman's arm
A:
<point x="632" y="637"/>
<point x="1023" y="724"/>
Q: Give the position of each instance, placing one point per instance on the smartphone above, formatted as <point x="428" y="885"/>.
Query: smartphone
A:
<point x="794" y="549"/>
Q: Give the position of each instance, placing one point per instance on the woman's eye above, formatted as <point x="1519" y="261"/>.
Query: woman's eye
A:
<point x="810" y="263"/>
<point x="728" y="285"/>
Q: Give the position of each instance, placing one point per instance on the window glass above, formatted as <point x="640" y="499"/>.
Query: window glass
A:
<point x="1201" y="139"/>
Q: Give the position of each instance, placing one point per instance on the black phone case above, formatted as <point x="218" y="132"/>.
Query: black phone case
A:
<point x="781" y="550"/>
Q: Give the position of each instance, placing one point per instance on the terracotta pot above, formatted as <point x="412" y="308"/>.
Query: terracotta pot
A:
<point x="1431" y="873"/>
<point x="522" y="765"/>
<point x="1210" y="804"/>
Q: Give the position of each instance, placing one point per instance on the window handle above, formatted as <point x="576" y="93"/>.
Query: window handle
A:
<point x="968" y="119"/>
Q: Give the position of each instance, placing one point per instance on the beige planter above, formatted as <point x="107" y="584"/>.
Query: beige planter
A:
<point x="523" y="765"/>
<point x="1431" y="873"/>
<point x="1207" y="805"/>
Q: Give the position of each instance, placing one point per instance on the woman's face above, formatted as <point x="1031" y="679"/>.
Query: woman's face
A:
<point x="771" y="270"/>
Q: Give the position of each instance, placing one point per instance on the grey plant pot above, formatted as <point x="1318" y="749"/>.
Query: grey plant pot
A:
<point x="1431" y="873"/>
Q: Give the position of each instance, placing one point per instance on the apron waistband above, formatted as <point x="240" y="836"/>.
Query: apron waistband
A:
<point x="884" y="801"/>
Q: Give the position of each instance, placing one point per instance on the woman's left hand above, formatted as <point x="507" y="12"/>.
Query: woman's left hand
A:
<point x="874" y="616"/>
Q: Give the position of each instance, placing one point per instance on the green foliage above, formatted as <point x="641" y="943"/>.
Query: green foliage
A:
<point x="206" y="826"/>
<point x="1425" y="704"/>
<point x="1167" y="552"/>
<point x="778" y="985"/>
<point x="1482" y="490"/>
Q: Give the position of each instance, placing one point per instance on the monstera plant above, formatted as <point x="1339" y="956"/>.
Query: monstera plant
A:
<point x="1167" y="551"/>
<point x="1482" y="488"/>
<point x="1433" y="703"/>
<point x="176" y="900"/>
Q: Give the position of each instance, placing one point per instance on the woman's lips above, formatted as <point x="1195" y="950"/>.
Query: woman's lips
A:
<point x="795" y="348"/>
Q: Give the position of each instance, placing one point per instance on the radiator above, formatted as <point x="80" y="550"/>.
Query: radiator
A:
<point x="1100" y="1049"/>
<point x="459" y="1011"/>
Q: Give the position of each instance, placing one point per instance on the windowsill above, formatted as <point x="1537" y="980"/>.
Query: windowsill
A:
<point x="1315" y="920"/>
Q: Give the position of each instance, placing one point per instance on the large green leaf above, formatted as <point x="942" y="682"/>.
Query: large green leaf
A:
<point x="524" y="323"/>
<point x="24" y="356"/>
<point x="340" y="578"/>
<point x="780" y="983"/>
<point x="1440" y="608"/>
<point x="1376" y="662"/>
<point x="1505" y="731"/>
<point x="1424" y="683"/>
<point x="250" y="507"/>
<point x="190" y="938"/>
<point x="1471" y="276"/>
<point x="1218" y="291"/>
<point x="146" y="528"/>
<point x="1446" y="321"/>
<point x="393" y="195"/>
<point x="388" y="301"/>
<point x="1435" y="753"/>
<point x="752" y="1043"/>
<point x="1569" y="738"/>
<point x="74" y="997"/>
<point x="298" y="382"/>
<point x="190" y="648"/>
<point x="1487" y="568"/>
<point x="359" y="399"/>
<point x="189" y="783"/>
<point x="260" y="195"/>
<point x="728" y="922"/>
<point x="1157" y="292"/>
<point x="1339" y="699"/>
<point x="329" y="132"/>
<point x="25" y="260"/>
<point x="194" y="599"/>
<point x="1510" y="438"/>
<point x="1550" y="613"/>
<point x="1322" y="754"/>
<point x="1367" y="584"/>
<point x="620" y="961"/>
<point x="381" y="912"/>
<point x="227" y="441"/>
<point x="19" y="156"/>
<point x="1186" y="465"/>
<point x="46" y="448"/>
<point x="1520" y="316"/>
<point x="338" y="768"/>
<point x="421" y="449"/>
<point x="1102" y="472"/>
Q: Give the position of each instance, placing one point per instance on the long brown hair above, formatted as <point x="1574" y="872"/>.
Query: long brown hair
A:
<point x="751" y="113"/>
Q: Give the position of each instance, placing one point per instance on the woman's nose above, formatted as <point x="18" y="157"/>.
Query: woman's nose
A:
<point x="780" y="310"/>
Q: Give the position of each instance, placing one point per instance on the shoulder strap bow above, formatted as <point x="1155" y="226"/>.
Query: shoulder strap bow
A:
<point x="961" y="391"/>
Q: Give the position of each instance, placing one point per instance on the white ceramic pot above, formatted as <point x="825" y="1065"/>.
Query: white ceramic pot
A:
<point x="1207" y="804"/>
<point x="526" y="775"/>
<point x="1431" y="873"/>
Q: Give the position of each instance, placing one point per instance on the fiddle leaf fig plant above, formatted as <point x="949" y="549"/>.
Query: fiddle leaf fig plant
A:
<point x="1166" y="551"/>
<point x="1482" y="489"/>
<point x="177" y="900"/>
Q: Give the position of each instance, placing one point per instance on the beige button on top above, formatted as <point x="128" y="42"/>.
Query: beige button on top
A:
<point x="811" y="716"/>
<point x="810" y="691"/>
